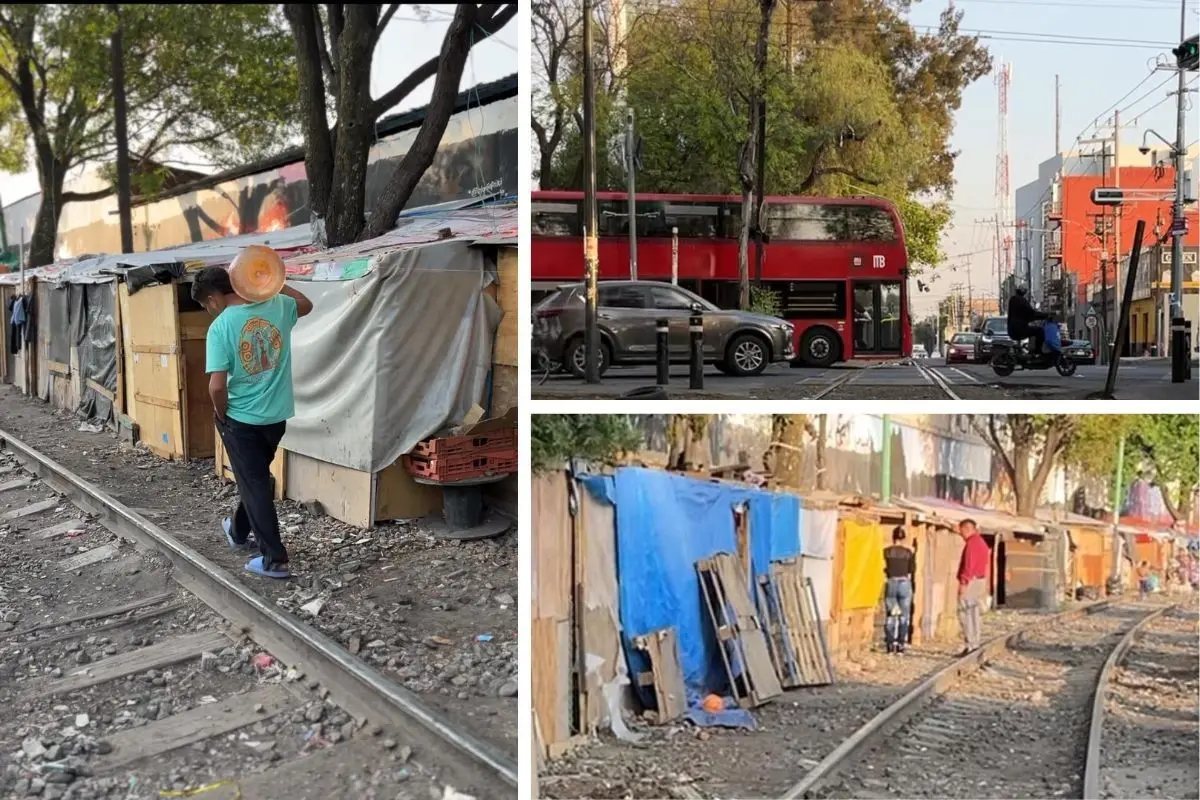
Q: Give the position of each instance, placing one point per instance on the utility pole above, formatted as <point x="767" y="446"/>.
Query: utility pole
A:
<point x="1117" y="229"/>
<point x="591" y="245"/>
<point x="886" y="477"/>
<point x="124" y="201"/>
<point x="1116" y="518"/>
<point x="760" y="179"/>
<point x="630" y="180"/>
<point x="1180" y="357"/>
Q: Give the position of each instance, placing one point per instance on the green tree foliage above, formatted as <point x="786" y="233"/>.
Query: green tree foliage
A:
<point x="600" y="438"/>
<point x="1169" y="448"/>
<point x="858" y="102"/>
<point x="217" y="79"/>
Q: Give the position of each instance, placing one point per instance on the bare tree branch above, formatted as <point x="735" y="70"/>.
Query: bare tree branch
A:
<point x="83" y="197"/>
<point x="482" y="30"/>
<point x="383" y="23"/>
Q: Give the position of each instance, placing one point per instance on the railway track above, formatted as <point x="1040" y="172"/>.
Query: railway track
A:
<point x="1145" y="730"/>
<point x="131" y="665"/>
<point x="1011" y="720"/>
<point x="935" y="378"/>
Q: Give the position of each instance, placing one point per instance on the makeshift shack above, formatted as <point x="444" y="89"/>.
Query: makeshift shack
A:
<point x="1089" y="561"/>
<point x="1028" y="555"/>
<point x="399" y="347"/>
<point x="621" y="573"/>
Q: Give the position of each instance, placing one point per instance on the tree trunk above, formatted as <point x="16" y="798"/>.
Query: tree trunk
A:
<point x="744" y="235"/>
<point x="821" y="452"/>
<point x="355" y="128"/>
<point x="318" y="149"/>
<point x="689" y="442"/>
<point x="45" y="226"/>
<point x="787" y="440"/>
<point x="403" y="181"/>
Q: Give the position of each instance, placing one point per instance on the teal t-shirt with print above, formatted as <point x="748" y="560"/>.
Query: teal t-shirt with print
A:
<point x="253" y="344"/>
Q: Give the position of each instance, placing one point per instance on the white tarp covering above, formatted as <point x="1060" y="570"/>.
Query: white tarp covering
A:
<point x="393" y="357"/>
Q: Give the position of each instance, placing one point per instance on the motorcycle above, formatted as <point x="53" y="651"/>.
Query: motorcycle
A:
<point x="1008" y="355"/>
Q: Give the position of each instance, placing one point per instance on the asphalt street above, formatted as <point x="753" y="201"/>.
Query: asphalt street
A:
<point x="1137" y="379"/>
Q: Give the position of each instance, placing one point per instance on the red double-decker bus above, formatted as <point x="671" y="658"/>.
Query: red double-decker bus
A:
<point x="838" y="264"/>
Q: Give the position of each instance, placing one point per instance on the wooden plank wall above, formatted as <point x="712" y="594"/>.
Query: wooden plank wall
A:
<point x="199" y="436"/>
<point x="153" y="367"/>
<point x="552" y="613"/>
<point x="599" y="618"/>
<point x="504" y="350"/>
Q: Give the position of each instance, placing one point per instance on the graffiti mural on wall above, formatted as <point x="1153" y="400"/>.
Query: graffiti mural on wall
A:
<point x="477" y="156"/>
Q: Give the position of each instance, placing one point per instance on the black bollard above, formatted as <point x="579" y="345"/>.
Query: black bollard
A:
<point x="696" y="332"/>
<point x="662" y="329"/>
<point x="1181" y="350"/>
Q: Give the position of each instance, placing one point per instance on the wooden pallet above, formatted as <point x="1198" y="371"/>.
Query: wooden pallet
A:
<point x="739" y="631"/>
<point x="666" y="676"/>
<point x="798" y="646"/>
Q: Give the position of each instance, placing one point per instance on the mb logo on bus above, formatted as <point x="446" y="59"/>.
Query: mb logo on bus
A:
<point x="880" y="262"/>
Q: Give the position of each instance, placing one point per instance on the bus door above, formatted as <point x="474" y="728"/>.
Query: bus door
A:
<point x="877" y="317"/>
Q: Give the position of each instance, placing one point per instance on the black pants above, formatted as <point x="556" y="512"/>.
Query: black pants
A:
<point x="251" y="449"/>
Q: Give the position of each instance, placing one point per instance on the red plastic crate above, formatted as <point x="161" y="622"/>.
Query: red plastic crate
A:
<point x="478" y="466"/>
<point x="468" y="443"/>
<point x="467" y="459"/>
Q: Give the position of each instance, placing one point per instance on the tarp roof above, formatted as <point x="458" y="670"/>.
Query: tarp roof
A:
<point x="987" y="519"/>
<point x="478" y="220"/>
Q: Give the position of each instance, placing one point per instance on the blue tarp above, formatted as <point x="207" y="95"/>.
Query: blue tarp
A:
<point x="665" y="524"/>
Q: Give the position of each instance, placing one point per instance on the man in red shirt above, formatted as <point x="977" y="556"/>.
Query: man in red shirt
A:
<point x="972" y="582"/>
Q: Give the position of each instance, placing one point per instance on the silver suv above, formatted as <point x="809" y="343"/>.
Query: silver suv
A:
<point x="738" y="342"/>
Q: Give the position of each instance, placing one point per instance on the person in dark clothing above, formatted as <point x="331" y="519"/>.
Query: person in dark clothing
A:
<point x="1020" y="314"/>
<point x="900" y="564"/>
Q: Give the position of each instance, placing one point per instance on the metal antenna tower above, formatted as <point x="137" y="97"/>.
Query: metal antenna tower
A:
<point x="1004" y="199"/>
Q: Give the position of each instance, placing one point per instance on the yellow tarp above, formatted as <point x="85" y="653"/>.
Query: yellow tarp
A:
<point x="862" y="565"/>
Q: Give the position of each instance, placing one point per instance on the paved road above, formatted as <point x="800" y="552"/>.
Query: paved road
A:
<point x="1139" y="379"/>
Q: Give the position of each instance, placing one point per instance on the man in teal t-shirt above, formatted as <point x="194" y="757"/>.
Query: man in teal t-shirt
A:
<point x="249" y="363"/>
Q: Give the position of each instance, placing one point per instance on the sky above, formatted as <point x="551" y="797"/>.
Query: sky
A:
<point x="1093" y="77"/>
<point x="413" y="36"/>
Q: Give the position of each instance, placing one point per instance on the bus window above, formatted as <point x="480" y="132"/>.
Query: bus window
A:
<point x="810" y="299"/>
<point x="732" y="214"/>
<point x="612" y="218"/>
<point x="556" y="219"/>
<point x="804" y="222"/>
<point x="869" y="224"/>
<point x="694" y="220"/>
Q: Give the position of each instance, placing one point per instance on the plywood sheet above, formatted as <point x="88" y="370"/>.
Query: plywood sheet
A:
<point x="199" y="438"/>
<point x="551" y="541"/>
<point x="551" y="647"/>
<point x="398" y="496"/>
<point x="666" y="676"/>
<point x="345" y="494"/>
<point x="504" y="350"/>
<point x="156" y="404"/>
<point x="599" y="594"/>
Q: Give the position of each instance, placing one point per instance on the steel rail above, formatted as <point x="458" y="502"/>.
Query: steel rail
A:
<point x="474" y="766"/>
<point x="1091" y="770"/>
<point x="935" y="684"/>
<point x="938" y="379"/>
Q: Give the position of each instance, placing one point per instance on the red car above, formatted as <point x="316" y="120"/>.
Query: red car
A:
<point x="962" y="348"/>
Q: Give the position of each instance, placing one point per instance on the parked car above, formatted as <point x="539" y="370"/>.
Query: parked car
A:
<point x="962" y="348"/>
<point x="989" y="330"/>
<point x="1080" y="351"/>
<point x="919" y="351"/>
<point x="737" y="342"/>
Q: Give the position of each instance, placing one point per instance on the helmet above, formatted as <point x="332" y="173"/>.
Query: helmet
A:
<point x="1021" y="290"/>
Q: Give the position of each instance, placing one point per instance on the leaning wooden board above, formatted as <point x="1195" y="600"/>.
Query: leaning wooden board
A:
<point x="737" y="625"/>
<point x="666" y="676"/>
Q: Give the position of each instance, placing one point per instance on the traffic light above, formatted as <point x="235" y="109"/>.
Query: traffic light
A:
<point x="1187" y="55"/>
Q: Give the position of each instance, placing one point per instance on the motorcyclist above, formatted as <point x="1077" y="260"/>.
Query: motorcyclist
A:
<point x="1020" y="314"/>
